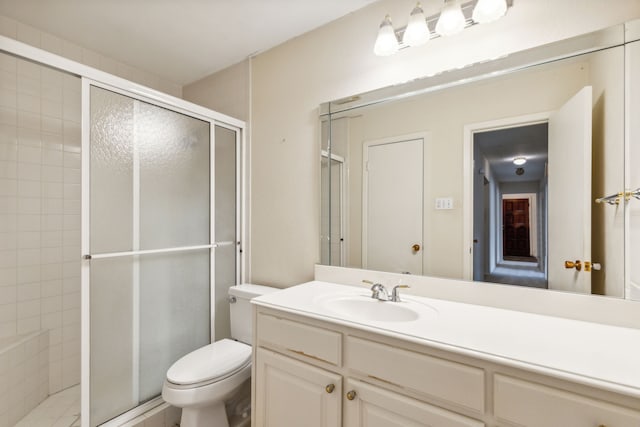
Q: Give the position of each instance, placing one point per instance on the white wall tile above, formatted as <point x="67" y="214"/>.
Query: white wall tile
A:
<point x="8" y="205"/>
<point x="51" y="320"/>
<point x="8" y="329"/>
<point x="8" y="116"/>
<point x="8" y="259"/>
<point x="52" y="157"/>
<point x="51" y="141"/>
<point x="51" y="255"/>
<point x="9" y="170"/>
<point x="8" y="187"/>
<point x="28" y="274"/>
<point x="29" y="239"/>
<point x="8" y="97"/>
<point x="8" y="241"/>
<point x="52" y="222"/>
<point x="29" y="171"/>
<point x="28" y="324"/>
<point x="27" y="309"/>
<point x="27" y="154"/>
<point x="51" y="304"/>
<point x="53" y="173"/>
<point x="28" y="291"/>
<point x="28" y="222"/>
<point x="29" y="205"/>
<point x="71" y="317"/>
<point x="30" y="137"/>
<point x="28" y="83"/>
<point x="28" y="102"/>
<point x="28" y="257"/>
<point x="8" y="223"/>
<point x="8" y="296"/>
<point x="51" y="125"/>
<point x="53" y="206"/>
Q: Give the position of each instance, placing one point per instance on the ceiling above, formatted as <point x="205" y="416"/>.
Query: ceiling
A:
<point x="500" y="147"/>
<point x="178" y="40"/>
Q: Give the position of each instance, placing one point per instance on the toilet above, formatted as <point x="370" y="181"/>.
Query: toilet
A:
<point x="202" y="381"/>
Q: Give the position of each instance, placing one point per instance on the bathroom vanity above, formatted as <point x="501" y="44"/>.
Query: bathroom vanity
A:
<point x="330" y="355"/>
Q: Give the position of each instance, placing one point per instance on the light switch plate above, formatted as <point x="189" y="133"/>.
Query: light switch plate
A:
<point x="444" y="203"/>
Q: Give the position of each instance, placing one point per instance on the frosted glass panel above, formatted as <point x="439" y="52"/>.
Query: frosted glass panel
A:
<point x="225" y="225"/>
<point x="174" y="178"/>
<point x="112" y="346"/>
<point x="112" y="130"/>
<point x="174" y="313"/>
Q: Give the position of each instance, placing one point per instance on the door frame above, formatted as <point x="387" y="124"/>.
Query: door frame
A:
<point x="343" y="216"/>
<point x="424" y="136"/>
<point x="467" y="175"/>
<point x="533" y="221"/>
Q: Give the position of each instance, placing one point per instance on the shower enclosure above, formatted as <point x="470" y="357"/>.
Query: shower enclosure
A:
<point x="149" y="229"/>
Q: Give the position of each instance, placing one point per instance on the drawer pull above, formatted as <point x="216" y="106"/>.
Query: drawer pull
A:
<point x="351" y="395"/>
<point x="329" y="388"/>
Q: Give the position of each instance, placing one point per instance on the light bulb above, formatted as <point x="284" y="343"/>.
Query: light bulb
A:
<point x="489" y="10"/>
<point x="387" y="42"/>
<point x="451" y="19"/>
<point x="519" y="161"/>
<point x="417" y="32"/>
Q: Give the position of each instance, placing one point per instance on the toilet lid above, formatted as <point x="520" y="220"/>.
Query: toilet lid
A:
<point x="208" y="363"/>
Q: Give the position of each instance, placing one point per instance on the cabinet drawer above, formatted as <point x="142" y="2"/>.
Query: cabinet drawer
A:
<point x="519" y="402"/>
<point x="306" y="340"/>
<point x="447" y="381"/>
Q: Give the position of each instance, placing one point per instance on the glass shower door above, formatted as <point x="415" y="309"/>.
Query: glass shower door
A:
<point x="147" y="237"/>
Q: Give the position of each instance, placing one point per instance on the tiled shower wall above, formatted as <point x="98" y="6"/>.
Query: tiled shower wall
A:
<point x="40" y="211"/>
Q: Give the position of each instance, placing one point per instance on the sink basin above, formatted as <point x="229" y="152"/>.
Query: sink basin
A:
<point x="366" y="308"/>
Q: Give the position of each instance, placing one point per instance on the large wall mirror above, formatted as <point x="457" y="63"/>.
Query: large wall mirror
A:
<point x="514" y="171"/>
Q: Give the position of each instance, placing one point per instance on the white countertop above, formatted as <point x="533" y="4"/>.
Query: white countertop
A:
<point x="603" y="356"/>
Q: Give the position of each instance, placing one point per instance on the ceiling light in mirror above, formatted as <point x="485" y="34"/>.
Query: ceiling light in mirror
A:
<point x="386" y="43"/>
<point x="451" y="19"/>
<point x="519" y="161"/>
<point x="417" y="32"/>
<point x="489" y="10"/>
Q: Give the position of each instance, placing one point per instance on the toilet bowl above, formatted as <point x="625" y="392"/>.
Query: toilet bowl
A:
<point x="201" y="381"/>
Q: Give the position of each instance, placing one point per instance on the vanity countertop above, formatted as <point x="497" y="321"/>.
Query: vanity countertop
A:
<point x="593" y="354"/>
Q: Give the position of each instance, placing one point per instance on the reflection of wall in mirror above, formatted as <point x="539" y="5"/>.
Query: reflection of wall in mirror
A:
<point x="633" y="168"/>
<point x="444" y="114"/>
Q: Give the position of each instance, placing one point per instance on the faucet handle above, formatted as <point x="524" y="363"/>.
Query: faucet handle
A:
<point x="395" y="294"/>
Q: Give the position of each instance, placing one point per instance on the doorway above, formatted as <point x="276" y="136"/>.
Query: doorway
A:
<point x="509" y="218"/>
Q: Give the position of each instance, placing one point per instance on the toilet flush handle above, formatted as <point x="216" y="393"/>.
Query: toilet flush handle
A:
<point x="231" y="299"/>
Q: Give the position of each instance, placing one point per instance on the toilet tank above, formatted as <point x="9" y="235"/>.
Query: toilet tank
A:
<point x="240" y="309"/>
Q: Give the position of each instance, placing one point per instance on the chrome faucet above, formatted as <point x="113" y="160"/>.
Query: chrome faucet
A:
<point x="395" y="293"/>
<point x="379" y="292"/>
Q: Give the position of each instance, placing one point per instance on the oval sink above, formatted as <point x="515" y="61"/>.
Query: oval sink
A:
<point x="366" y="308"/>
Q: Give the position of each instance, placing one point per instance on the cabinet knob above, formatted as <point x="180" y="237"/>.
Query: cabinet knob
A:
<point x="329" y="388"/>
<point x="351" y="395"/>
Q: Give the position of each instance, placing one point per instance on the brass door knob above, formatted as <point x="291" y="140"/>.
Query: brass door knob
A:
<point x="415" y="248"/>
<point x="571" y="264"/>
<point x="329" y="388"/>
<point x="351" y="395"/>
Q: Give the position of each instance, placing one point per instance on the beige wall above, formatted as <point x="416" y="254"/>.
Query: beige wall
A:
<point x="335" y="61"/>
<point x="226" y="91"/>
<point x="76" y="52"/>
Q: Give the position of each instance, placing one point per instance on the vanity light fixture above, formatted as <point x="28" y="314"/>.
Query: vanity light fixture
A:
<point x="417" y="32"/>
<point x="519" y="161"/>
<point x="454" y="16"/>
<point x="451" y="19"/>
<point x="387" y="42"/>
<point x="489" y="10"/>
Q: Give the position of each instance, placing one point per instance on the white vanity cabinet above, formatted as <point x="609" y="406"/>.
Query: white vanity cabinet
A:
<point x="315" y="375"/>
<point x="312" y="372"/>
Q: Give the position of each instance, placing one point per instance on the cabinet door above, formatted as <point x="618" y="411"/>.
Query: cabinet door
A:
<point x="372" y="406"/>
<point x="290" y="393"/>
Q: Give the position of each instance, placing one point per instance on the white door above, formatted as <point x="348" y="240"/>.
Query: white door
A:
<point x="392" y="206"/>
<point x="569" y="178"/>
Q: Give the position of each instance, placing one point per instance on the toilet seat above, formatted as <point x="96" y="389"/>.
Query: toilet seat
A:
<point x="209" y="364"/>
